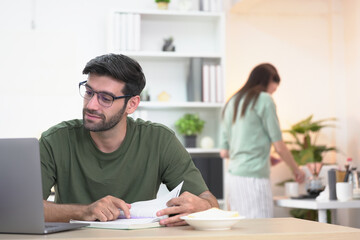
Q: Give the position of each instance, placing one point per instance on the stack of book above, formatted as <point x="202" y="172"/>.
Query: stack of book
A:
<point x="212" y="84"/>
<point x="205" y="83"/>
<point x="211" y="5"/>
<point x="127" y="31"/>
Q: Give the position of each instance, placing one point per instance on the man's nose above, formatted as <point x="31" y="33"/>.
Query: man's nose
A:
<point x="93" y="102"/>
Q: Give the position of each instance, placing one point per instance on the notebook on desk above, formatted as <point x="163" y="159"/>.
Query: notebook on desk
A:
<point x="143" y="213"/>
<point x="21" y="204"/>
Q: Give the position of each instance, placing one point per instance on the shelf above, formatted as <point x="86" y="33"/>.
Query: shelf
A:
<point x="158" y="54"/>
<point x="202" y="152"/>
<point x="198" y="38"/>
<point x="167" y="105"/>
<point x="170" y="13"/>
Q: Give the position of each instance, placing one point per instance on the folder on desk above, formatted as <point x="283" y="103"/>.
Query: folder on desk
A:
<point x="143" y="214"/>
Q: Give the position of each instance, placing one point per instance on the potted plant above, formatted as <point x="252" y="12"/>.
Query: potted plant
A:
<point x="306" y="151"/>
<point x="190" y="125"/>
<point x="162" y="4"/>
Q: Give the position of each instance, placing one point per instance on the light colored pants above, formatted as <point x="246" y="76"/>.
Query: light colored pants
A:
<point x="251" y="197"/>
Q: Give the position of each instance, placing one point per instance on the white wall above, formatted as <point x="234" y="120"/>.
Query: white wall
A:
<point x="297" y="43"/>
<point x="44" y="46"/>
<point x="315" y="44"/>
<point x="349" y="105"/>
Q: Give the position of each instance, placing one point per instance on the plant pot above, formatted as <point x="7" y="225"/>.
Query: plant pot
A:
<point x="163" y="5"/>
<point x="190" y="141"/>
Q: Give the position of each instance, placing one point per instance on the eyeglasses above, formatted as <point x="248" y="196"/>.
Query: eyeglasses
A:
<point x="104" y="99"/>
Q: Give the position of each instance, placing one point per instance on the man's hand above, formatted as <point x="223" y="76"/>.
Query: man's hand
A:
<point x="106" y="209"/>
<point x="185" y="204"/>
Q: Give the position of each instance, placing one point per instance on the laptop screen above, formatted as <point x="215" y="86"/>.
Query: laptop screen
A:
<point x="21" y="203"/>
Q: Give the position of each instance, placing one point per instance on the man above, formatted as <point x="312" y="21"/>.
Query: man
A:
<point x="101" y="164"/>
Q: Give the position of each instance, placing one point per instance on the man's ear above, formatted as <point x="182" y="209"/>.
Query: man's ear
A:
<point x="132" y="104"/>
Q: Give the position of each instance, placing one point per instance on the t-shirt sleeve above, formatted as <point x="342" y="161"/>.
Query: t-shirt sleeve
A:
<point x="177" y="166"/>
<point x="47" y="167"/>
<point x="270" y="120"/>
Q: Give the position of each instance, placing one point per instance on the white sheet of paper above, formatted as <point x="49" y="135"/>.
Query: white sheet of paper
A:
<point x="143" y="214"/>
<point x="148" y="209"/>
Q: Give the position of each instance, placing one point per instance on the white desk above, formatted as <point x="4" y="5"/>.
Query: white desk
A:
<point x="315" y="205"/>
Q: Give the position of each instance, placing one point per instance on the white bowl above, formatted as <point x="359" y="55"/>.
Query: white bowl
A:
<point x="212" y="223"/>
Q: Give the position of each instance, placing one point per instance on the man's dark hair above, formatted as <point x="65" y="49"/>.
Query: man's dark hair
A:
<point x="121" y="68"/>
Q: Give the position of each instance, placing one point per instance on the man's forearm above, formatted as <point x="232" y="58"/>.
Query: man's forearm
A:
<point x="62" y="212"/>
<point x="210" y="198"/>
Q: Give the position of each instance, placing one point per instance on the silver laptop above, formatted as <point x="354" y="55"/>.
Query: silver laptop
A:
<point x="21" y="204"/>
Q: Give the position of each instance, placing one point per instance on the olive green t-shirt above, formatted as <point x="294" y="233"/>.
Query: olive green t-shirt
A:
<point x="81" y="173"/>
<point x="249" y="138"/>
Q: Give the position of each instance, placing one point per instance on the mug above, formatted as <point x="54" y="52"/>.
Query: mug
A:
<point x="291" y="189"/>
<point x="344" y="191"/>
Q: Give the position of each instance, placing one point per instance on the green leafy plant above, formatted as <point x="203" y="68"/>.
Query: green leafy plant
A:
<point x="305" y="133"/>
<point x="189" y="125"/>
<point x="167" y="1"/>
<point x="306" y="151"/>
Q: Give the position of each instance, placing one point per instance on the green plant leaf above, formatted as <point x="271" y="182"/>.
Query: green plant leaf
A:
<point x="303" y="150"/>
<point x="189" y="124"/>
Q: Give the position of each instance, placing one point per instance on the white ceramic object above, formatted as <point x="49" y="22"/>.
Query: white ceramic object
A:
<point x="207" y="142"/>
<point x="291" y="189"/>
<point x="212" y="223"/>
<point x="344" y="191"/>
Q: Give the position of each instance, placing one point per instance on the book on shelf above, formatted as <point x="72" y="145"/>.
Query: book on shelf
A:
<point x="123" y="31"/>
<point x="219" y="85"/>
<point x="212" y="80"/>
<point x="117" y="26"/>
<point x="206" y="83"/>
<point x="212" y="84"/>
<point x="143" y="214"/>
<point x="127" y="31"/>
<point x="205" y="5"/>
<point x="210" y="5"/>
<point x="130" y="32"/>
<point x="137" y="31"/>
<point x="193" y="85"/>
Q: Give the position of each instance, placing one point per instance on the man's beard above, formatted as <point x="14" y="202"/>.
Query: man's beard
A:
<point x="103" y="125"/>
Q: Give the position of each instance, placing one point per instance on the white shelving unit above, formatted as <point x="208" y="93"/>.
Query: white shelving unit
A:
<point x="196" y="34"/>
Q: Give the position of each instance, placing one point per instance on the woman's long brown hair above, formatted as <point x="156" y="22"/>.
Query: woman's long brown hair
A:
<point x="258" y="81"/>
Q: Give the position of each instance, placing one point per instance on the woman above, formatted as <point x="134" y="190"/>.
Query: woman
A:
<point x="249" y="127"/>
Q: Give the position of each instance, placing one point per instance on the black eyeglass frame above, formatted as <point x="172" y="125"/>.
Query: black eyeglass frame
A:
<point x="114" y="97"/>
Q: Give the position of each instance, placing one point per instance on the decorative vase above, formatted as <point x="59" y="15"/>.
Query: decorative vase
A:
<point x="163" y="5"/>
<point x="314" y="185"/>
<point x="190" y="141"/>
